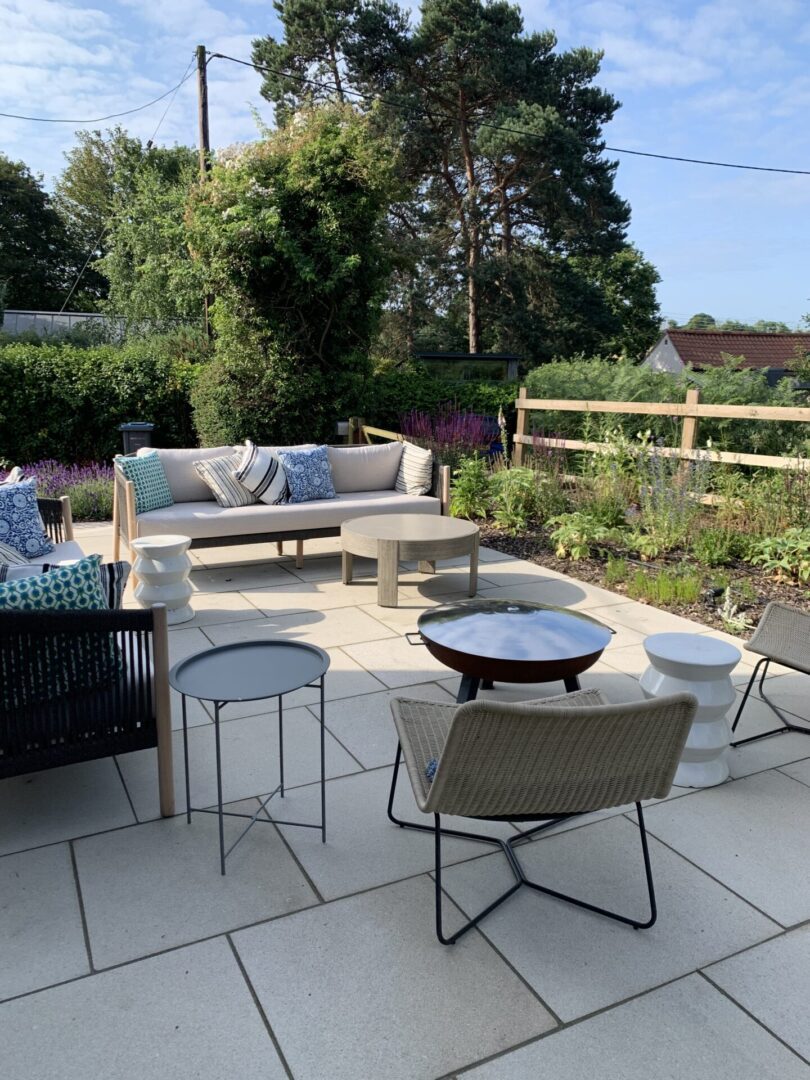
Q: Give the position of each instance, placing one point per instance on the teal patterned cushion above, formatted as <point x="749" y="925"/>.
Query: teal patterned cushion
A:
<point x="76" y="587"/>
<point x="74" y="663"/>
<point x="149" y="477"/>
<point x="309" y="476"/>
<point x="20" y="523"/>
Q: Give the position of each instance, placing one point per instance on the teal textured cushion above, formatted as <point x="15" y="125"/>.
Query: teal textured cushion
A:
<point x="73" y="663"/>
<point x="152" y="490"/>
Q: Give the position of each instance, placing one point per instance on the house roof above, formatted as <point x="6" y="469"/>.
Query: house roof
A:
<point x="703" y="348"/>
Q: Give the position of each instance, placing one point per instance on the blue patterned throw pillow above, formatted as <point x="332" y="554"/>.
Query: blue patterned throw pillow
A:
<point x="309" y="476"/>
<point x="146" y="472"/>
<point x="20" y="523"/>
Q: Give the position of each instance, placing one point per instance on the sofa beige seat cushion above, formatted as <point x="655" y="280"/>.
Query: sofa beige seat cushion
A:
<point x="185" y="484"/>
<point x="206" y="520"/>
<point x="62" y="555"/>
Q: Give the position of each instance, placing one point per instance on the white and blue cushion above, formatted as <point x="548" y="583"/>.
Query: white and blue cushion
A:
<point x="20" y="524"/>
<point x="260" y="471"/>
<point x="308" y="474"/>
<point x="67" y="588"/>
<point x="152" y="491"/>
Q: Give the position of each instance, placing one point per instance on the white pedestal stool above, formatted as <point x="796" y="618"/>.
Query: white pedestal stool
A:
<point x="162" y="569"/>
<point x="702" y="666"/>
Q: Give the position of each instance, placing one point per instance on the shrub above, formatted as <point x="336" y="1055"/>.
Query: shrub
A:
<point x="515" y="496"/>
<point x="469" y="495"/>
<point x="665" y="587"/>
<point x="90" y="487"/>
<point x="717" y="547"/>
<point x="65" y="402"/>
<point x="576" y="535"/>
<point x="787" y="556"/>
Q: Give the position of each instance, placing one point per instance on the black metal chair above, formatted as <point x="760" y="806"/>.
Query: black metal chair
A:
<point x="783" y="635"/>
<point x="549" y="759"/>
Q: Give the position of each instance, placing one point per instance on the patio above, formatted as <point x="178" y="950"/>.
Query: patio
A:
<point x="126" y="954"/>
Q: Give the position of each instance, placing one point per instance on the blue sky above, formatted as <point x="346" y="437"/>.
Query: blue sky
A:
<point x="724" y="79"/>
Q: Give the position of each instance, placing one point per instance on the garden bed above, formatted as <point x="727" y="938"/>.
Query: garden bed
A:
<point x="751" y="589"/>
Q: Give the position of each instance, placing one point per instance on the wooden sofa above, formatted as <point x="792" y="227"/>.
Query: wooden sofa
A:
<point x="76" y="686"/>
<point x="196" y="514"/>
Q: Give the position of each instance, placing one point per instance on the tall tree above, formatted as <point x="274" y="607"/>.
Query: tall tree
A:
<point x="99" y="168"/>
<point x="35" y="254"/>
<point x="151" y="274"/>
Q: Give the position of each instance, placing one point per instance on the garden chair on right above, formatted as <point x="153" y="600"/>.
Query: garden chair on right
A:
<point x="783" y="635"/>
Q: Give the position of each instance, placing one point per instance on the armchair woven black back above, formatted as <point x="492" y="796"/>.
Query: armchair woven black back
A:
<point x="75" y="686"/>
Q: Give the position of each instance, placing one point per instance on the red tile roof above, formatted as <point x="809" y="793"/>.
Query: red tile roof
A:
<point x="703" y="348"/>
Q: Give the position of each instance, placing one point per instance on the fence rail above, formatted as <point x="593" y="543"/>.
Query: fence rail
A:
<point x="689" y="411"/>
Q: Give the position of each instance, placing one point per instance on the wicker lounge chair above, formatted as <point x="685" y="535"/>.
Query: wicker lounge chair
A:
<point x="783" y="635"/>
<point x="550" y="759"/>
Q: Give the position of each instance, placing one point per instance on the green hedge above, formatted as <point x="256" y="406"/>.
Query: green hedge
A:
<point x="63" y="402"/>
<point x="392" y="391"/>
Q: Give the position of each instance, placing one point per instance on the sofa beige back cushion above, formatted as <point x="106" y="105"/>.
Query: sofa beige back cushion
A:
<point x="364" y="468"/>
<point x="184" y="481"/>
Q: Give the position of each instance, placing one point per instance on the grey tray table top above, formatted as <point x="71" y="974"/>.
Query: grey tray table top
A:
<point x="249" y="670"/>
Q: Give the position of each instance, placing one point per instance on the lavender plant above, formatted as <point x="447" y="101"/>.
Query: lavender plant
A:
<point x="89" y="486"/>
<point x="451" y="434"/>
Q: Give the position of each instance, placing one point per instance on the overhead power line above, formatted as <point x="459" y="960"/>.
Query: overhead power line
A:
<point x="99" y="119"/>
<point x="501" y="127"/>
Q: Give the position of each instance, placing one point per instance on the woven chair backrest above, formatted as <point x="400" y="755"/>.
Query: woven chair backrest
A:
<point x="514" y="759"/>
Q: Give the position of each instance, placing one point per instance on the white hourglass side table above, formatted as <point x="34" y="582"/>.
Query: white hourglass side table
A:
<point x="702" y="666"/>
<point x="162" y="569"/>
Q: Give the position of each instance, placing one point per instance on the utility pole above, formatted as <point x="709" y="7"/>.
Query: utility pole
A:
<point x="205" y="145"/>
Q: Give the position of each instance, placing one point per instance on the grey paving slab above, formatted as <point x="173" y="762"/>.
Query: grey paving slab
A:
<point x="250" y="761"/>
<point x="772" y="981"/>
<point x="615" y="685"/>
<point x="686" y="1029"/>
<point x="235" y="578"/>
<point x="790" y="692"/>
<point x="578" y="961"/>
<point x="186" y="1014"/>
<point x="59" y="804"/>
<point x="799" y="770"/>
<point x="767" y="753"/>
<point x="343" y="626"/>
<point x="329" y="566"/>
<point x="158" y="885"/>
<point x="41" y="936"/>
<point x="750" y="834"/>
<point x="559" y="592"/>
<point x="312" y="596"/>
<point x="364" y="724"/>
<point x="185" y="642"/>
<point x="399" y="1005"/>
<point x="363" y="847"/>
<point x="397" y="663"/>
<point x="216" y="607"/>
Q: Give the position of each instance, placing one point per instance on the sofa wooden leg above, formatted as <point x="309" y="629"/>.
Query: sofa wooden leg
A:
<point x="280" y="547"/>
<point x="299" y="554"/>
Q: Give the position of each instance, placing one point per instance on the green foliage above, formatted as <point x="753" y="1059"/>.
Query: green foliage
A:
<point x="787" y="556"/>
<point x="615" y="571"/>
<point x="91" y="500"/>
<point x="576" y="534"/>
<point x="717" y="547"/>
<point x="36" y="258"/>
<point x="290" y="234"/>
<point x="515" y="498"/>
<point x="65" y="402"/>
<point x="665" y="586"/>
<point x="150" y="271"/>
<point x="469" y="495"/>
<point x="392" y="390"/>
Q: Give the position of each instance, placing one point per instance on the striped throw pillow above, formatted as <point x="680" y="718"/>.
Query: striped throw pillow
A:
<point x="415" y="476"/>
<point x="219" y="474"/>
<point x="9" y="556"/>
<point x="262" y="473"/>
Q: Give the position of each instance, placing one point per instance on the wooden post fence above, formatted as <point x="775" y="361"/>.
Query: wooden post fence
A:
<point x="691" y="412"/>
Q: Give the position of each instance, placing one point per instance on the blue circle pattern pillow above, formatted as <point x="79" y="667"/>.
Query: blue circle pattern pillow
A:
<point x="20" y="523"/>
<point x="309" y="476"/>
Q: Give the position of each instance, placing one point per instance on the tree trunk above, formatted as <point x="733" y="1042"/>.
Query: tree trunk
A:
<point x="473" y="234"/>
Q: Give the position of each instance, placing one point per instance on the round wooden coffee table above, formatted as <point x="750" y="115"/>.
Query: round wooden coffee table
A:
<point x="512" y="641"/>
<point x="389" y="538"/>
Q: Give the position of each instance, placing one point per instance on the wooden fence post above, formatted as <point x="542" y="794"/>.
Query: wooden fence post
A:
<point x="522" y="424"/>
<point x="689" y="427"/>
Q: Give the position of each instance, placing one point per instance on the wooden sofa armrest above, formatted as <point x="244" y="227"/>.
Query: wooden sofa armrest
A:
<point x="125" y="522"/>
<point x="163" y="709"/>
